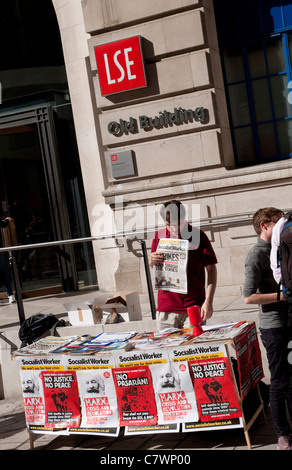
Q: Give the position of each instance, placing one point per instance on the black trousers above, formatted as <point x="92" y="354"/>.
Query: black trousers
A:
<point x="275" y="341"/>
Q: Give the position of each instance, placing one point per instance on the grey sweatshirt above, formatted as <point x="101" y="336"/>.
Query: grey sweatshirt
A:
<point x="259" y="279"/>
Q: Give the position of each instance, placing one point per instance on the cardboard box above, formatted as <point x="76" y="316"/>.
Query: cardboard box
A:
<point x="125" y="303"/>
<point x="82" y="314"/>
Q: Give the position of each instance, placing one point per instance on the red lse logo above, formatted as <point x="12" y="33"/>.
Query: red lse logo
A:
<point x="120" y="66"/>
<point x="114" y="158"/>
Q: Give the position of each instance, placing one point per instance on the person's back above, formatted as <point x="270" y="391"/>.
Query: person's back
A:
<point x="261" y="288"/>
<point x="259" y="279"/>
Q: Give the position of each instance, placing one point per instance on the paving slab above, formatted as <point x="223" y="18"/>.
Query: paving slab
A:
<point x="14" y="436"/>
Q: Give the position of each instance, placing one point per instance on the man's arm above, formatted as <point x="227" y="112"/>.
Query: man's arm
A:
<point x="253" y="273"/>
<point x="263" y="299"/>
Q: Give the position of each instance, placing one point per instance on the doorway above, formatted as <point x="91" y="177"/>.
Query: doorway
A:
<point x="32" y="192"/>
<point x="24" y="198"/>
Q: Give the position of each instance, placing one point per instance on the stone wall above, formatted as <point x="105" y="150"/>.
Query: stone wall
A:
<point x="191" y="160"/>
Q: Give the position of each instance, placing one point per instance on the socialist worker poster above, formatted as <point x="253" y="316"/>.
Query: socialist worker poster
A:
<point x="32" y="388"/>
<point x="214" y="389"/>
<point x="135" y="395"/>
<point x="98" y="401"/>
<point x="33" y="398"/>
<point x="174" y="392"/>
<point x="62" y="405"/>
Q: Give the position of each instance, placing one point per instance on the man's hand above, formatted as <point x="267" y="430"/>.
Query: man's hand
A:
<point x="206" y="310"/>
<point x="155" y="258"/>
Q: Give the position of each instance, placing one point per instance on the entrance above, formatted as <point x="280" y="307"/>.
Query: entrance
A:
<point x="33" y="193"/>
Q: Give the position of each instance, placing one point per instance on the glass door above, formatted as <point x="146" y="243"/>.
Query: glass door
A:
<point x="32" y="193"/>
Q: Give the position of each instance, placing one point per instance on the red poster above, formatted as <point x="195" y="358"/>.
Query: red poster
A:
<point x="249" y="359"/>
<point x="62" y="406"/>
<point x="214" y="389"/>
<point x="135" y="394"/>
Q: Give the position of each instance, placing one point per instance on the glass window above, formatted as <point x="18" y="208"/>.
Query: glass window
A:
<point x="279" y="88"/>
<point x="248" y="19"/>
<point x="267" y="140"/>
<point x="284" y="129"/>
<point x="287" y="13"/>
<point x="233" y="65"/>
<point x="261" y="100"/>
<point x="274" y="15"/>
<point x="275" y="55"/>
<point x="258" y="73"/>
<point x="256" y="60"/>
<point x="245" y="145"/>
<point x="289" y="38"/>
<point x="239" y="104"/>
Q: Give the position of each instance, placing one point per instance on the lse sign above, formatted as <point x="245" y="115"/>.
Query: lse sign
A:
<point x="120" y="66"/>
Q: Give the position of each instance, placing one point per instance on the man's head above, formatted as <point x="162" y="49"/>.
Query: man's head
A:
<point x="173" y="214"/>
<point x="264" y="220"/>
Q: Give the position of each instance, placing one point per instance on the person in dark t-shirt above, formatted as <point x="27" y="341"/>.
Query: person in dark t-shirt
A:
<point x="201" y="269"/>
<point x="260" y="288"/>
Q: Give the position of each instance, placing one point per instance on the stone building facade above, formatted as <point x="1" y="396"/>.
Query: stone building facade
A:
<point x="172" y="152"/>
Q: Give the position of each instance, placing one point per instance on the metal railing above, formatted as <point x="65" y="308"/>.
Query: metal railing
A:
<point x="140" y="235"/>
<point x="14" y="268"/>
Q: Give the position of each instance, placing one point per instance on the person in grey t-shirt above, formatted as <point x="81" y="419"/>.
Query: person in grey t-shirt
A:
<point x="261" y="288"/>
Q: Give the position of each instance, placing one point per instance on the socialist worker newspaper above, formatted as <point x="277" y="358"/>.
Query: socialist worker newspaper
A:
<point x="99" y="409"/>
<point x="171" y="274"/>
<point x="135" y="396"/>
<point x="61" y="398"/>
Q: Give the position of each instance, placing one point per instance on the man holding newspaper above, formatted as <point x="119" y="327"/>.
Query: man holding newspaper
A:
<point x="182" y="257"/>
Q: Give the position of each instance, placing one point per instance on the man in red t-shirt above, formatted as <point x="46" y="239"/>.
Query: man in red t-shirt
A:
<point x="172" y="306"/>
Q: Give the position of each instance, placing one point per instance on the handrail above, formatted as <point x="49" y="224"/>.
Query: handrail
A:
<point x="140" y="235"/>
<point x="141" y="232"/>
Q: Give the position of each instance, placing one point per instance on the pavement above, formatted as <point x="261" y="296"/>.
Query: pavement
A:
<point x="14" y="435"/>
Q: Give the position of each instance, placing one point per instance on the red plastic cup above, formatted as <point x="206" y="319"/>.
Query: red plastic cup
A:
<point x="197" y="330"/>
<point x="194" y="315"/>
<point x="195" y="319"/>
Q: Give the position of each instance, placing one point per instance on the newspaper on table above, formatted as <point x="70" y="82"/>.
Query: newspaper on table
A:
<point x="221" y="332"/>
<point x="44" y="345"/>
<point x="171" y="274"/>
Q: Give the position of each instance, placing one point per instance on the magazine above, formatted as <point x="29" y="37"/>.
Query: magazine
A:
<point x="221" y="332"/>
<point x="45" y="345"/>
<point x="106" y="339"/>
<point x="171" y="274"/>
